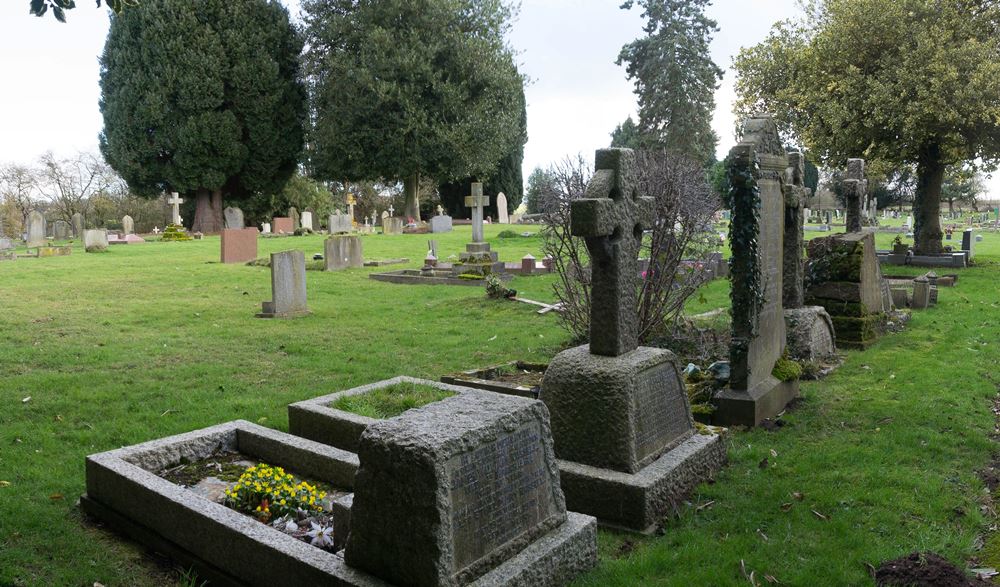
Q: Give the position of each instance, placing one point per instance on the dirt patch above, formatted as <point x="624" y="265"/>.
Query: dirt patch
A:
<point x="226" y="466"/>
<point x="920" y="569"/>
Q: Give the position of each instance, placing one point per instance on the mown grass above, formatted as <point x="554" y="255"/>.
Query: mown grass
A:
<point x="158" y="339"/>
<point x="391" y="401"/>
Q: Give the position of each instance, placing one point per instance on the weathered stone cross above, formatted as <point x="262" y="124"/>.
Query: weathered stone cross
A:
<point x="476" y="201"/>
<point x="611" y="217"/>
<point x="176" y="202"/>
<point x="391" y="210"/>
<point x="350" y="206"/>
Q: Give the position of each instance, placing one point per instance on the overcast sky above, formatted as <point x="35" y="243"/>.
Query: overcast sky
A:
<point x="567" y="47"/>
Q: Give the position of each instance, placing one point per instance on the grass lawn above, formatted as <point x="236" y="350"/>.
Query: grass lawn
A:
<point x="145" y="341"/>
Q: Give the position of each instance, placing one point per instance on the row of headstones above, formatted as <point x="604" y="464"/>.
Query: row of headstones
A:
<point x="38" y="231"/>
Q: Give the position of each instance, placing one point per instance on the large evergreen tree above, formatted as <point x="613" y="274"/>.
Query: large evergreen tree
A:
<point x="203" y="97"/>
<point x="409" y="87"/>
<point x="675" y="77"/>
<point x="898" y="82"/>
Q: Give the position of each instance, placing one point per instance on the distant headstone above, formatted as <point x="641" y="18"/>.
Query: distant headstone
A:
<point x="342" y="252"/>
<point x="340" y="223"/>
<point x="36" y="229"/>
<point x="968" y="244"/>
<point x="77" y="222"/>
<point x="392" y="225"/>
<point x="95" y="240"/>
<point x="307" y="220"/>
<point x="440" y="224"/>
<point x="265" y="228"/>
<point x="293" y="213"/>
<point x="239" y="245"/>
<point x="446" y="493"/>
<point x="502" y="213"/>
<point x="758" y="323"/>
<point x="921" y="294"/>
<point x="234" y="218"/>
<point x="128" y="225"/>
<point x="175" y="209"/>
<point x="61" y="230"/>
<point x="283" y="225"/>
<point x="288" y="286"/>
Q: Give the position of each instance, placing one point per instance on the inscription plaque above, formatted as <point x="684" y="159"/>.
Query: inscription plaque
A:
<point x="662" y="417"/>
<point x="500" y="491"/>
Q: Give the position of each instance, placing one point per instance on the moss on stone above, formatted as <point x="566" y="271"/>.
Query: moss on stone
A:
<point x="786" y="369"/>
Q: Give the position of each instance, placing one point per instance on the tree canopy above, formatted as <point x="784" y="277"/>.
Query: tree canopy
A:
<point x="675" y="78"/>
<point x="203" y="97"/>
<point x="894" y="81"/>
<point x="59" y="7"/>
<point x="403" y="88"/>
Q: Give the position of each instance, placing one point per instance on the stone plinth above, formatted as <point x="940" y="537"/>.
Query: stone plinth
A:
<point x="283" y="225"/>
<point x="440" y="224"/>
<point x="392" y="225"/>
<point x="288" y="286"/>
<point x="239" y="245"/>
<point x="95" y="240"/>
<point x="625" y="436"/>
<point x="342" y="252"/>
<point x="477" y="259"/>
<point x="847" y="281"/>
<point x="452" y="492"/>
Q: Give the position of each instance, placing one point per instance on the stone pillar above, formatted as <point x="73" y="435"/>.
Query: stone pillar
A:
<point x="921" y="294"/>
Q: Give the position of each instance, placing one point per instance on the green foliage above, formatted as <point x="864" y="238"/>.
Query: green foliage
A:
<point x="391" y="401"/>
<point x="541" y="183"/>
<point x="626" y="135"/>
<point x="202" y="95"/>
<point x="496" y="289"/>
<point x="786" y="369"/>
<point x="175" y="232"/>
<point x="888" y="95"/>
<point x="404" y="88"/>
<point x="747" y="291"/>
<point x="719" y="180"/>
<point x="962" y="185"/>
<point x="59" y="7"/>
<point x="674" y="76"/>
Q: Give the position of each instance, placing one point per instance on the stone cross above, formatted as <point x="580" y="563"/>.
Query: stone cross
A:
<point x="476" y="201"/>
<point x="611" y="217"/>
<point x="176" y="202"/>
<point x="350" y="206"/>
<point x="156" y="230"/>
<point x="391" y="211"/>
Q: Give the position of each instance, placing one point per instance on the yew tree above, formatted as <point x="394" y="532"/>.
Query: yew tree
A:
<point x="404" y="88"/>
<point x="898" y="82"/>
<point x="203" y="97"/>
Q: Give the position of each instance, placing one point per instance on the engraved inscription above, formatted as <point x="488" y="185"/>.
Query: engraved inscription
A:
<point x="499" y="491"/>
<point x="661" y="415"/>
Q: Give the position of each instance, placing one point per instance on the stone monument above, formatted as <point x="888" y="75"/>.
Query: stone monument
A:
<point x="342" y="252"/>
<point x="61" y="230"/>
<point x="621" y="420"/>
<point x="756" y="170"/>
<point x="462" y="491"/>
<point x="282" y="225"/>
<point x="293" y="213"/>
<point x="855" y="192"/>
<point x="477" y="259"/>
<point x="239" y="245"/>
<point x="288" y="286"/>
<point x="234" y="218"/>
<point x="175" y="202"/>
<point x="307" y="220"/>
<point x="77" y="222"/>
<point x="36" y="229"/>
<point x="503" y="216"/>
<point x="339" y="222"/>
<point x="441" y="222"/>
<point x="128" y="225"/>
<point x="95" y="240"/>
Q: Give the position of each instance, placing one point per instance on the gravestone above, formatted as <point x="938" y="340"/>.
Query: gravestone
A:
<point x="61" y="230"/>
<point x="77" y="222"/>
<point x="621" y="421"/>
<point x="855" y="193"/>
<point x="175" y="202"/>
<point x="265" y="228"/>
<point x="307" y="220"/>
<point x="128" y="225"/>
<point x="36" y="229"/>
<point x="239" y="245"/>
<point x="921" y="293"/>
<point x="477" y="259"/>
<point x="95" y="240"/>
<point x="449" y="492"/>
<point x="502" y="214"/>
<point x="288" y="286"/>
<point x="756" y="169"/>
<point x="234" y="218"/>
<point x="969" y="244"/>
<point x="392" y="225"/>
<point x="293" y="213"/>
<point x="342" y="252"/>
<point x="340" y="223"/>
<point x="440" y="223"/>
<point x="283" y="225"/>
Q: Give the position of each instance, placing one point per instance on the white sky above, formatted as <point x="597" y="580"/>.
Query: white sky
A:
<point x="49" y="96"/>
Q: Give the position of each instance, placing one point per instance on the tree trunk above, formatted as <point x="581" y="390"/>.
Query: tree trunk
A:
<point x="927" y="203"/>
<point x="411" y="189"/>
<point x="207" y="212"/>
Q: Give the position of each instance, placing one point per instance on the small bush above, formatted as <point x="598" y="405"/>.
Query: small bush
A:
<point x="786" y="369"/>
<point x="175" y="232"/>
<point x="495" y="288"/>
<point x="265" y="492"/>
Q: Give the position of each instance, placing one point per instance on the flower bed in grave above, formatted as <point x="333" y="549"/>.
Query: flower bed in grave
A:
<point x="212" y="499"/>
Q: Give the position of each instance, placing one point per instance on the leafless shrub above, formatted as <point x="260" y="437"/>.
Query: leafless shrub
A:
<point x="677" y="247"/>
